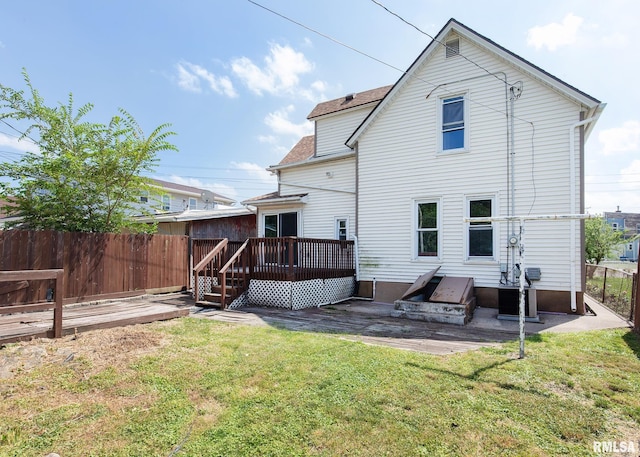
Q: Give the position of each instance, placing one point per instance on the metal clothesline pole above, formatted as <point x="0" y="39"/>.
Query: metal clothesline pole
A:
<point x="522" y="279"/>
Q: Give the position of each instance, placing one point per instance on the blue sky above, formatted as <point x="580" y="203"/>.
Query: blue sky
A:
<point x="237" y="81"/>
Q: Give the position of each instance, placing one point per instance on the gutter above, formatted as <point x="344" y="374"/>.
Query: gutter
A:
<point x="572" y="193"/>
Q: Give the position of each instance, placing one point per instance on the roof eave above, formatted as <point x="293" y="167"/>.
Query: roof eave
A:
<point x="276" y="201"/>
<point x="523" y="65"/>
<point x="313" y="161"/>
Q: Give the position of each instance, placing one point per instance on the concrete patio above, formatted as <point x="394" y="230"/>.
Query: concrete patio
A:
<point x="372" y="323"/>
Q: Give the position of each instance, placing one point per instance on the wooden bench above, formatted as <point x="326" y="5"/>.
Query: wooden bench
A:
<point x="22" y="277"/>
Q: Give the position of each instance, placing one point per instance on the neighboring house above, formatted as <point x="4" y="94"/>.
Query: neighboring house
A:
<point x="236" y="224"/>
<point x="4" y="217"/>
<point x="469" y="130"/>
<point x="629" y="225"/>
<point x="169" y="197"/>
<point x="185" y="210"/>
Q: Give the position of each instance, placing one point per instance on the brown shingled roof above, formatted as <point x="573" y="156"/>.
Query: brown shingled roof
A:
<point x="359" y="99"/>
<point x="304" y="149"/>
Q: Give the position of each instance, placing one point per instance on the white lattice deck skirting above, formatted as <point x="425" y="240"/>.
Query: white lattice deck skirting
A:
<point x="298" y="294"/>
<point x="205" y="284"/>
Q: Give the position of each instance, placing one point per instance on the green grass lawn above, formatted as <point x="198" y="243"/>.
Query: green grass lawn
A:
<point x="195" y="387"/>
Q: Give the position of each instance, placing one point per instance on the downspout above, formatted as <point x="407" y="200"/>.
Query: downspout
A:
<point x="572" y="196"/>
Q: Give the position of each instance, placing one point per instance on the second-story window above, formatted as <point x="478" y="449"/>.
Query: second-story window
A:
<point x="166" y="202"/>
<point x="453" y="127"/>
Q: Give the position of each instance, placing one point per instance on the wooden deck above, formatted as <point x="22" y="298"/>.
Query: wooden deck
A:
<point x="84" y="317"/>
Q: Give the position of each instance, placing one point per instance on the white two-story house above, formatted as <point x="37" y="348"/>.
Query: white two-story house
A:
<point x="470" y="130"/>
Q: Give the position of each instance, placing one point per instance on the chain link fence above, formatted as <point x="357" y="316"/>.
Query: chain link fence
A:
<point x="614" y="288"/>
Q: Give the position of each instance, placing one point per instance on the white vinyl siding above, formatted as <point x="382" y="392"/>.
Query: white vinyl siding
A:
<point x="399" y="159"/>
<point x="334" y="130"/>
<point x="330" y="188"/>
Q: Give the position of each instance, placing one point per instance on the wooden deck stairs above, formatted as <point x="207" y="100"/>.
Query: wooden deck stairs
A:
<point x="232" y="277"/>
<point x="233" y="288"/>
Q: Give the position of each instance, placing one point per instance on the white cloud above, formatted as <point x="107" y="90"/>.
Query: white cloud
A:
<point x="280" y="74"/>
<point x="555" y="35"/>
<point x="280" y="124"/>
<point x="191" y="75"/>
<point x="188" y="81"/>
<point x="17" y="144"/>
<point x="630" y="178"/>
<point x="256" y="171"/>
<point x="268" y="139"/>
<point x="621" y="139"/>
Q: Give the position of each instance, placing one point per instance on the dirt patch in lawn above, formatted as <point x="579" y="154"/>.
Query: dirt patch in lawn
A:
<point x="115" y="347"/>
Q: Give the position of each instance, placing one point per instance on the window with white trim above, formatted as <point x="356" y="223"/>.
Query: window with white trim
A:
<point x="193" y="203"/>
<point x="342" y="228"/>
<point x="452" y="119"/>
<point x="144" y="196"/>
<point x="166" y="202"/>
<point x="480" y="234"/>
<point x="427" y="228"/>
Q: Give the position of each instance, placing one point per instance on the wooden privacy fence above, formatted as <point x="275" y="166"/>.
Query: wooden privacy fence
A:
<point x="96" y="265"/>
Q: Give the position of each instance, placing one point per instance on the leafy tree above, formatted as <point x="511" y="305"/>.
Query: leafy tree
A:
<point x="600" y="239"/>
<point x="84" y="176"/>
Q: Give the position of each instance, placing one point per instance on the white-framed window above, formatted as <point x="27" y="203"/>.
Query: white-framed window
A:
<point x="193" y="203"/>
<point x="453" y="122"/>
<point x="144" y="196"/>
<point x="280" y="224"/>
<point x="166" y="202"/>
<point x="615" y="226"/>
<point x="427" y="228"/>
<point x="342" y="228"/>
<point x="480" y="235"/>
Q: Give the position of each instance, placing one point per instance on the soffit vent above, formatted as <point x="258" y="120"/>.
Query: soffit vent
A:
<point x="452" y="48"/>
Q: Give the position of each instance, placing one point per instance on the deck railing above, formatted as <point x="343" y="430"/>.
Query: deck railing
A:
<point x="282" y="259"/>
<point x="22" y="278"/>
<point x="297" y="259"/>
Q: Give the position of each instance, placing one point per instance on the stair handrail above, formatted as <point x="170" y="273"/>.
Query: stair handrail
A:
<point x="207" y="258"/>
<point x="234" y="257"/>
<point x="220" y="247"/>
<point x="222" y="273"/>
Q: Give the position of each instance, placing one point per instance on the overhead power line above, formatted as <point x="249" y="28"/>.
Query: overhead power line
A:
<point x="404" y="72"/>
<point x="438" y="41"/>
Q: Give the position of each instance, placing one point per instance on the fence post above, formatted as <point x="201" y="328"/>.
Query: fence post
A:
<point x="604" y="284"/>
<point x="636" y="310"/>
<point x="57" y="311"/>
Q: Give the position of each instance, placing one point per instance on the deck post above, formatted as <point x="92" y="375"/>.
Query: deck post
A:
<point x="290" y="259"/>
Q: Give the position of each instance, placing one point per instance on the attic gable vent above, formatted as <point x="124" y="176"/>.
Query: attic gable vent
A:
<point x="452" y="48"/>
